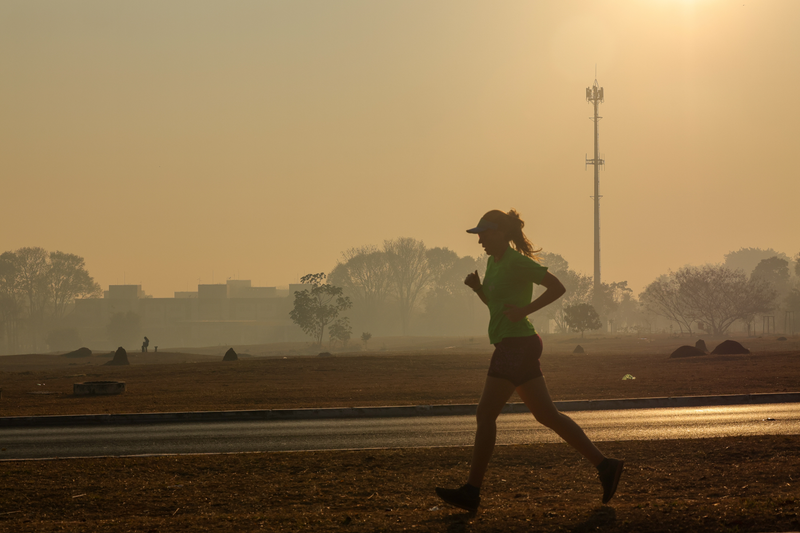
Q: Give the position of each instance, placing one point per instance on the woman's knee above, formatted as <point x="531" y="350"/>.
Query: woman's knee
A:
<point x="486" y="417"/>
<point x="548" y="417"/>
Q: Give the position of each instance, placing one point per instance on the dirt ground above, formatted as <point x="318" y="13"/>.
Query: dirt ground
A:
<point x="727" y="484"/>
<point x="421" y="374"/>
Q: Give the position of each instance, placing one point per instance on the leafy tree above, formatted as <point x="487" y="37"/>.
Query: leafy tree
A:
<point x="746" y="259"/>
<point x="407" y="276"/>
<point x="553" y="262"/>
<point x="609" y="296"/>
<point x="579" y="291"/>
<point x="793" y="304"/>
<point x="774" y="270"/>
<point x="124" y="328"/>
<point x="340" y="331"/>
<point x="318" y="306"/>
<point x="582" y="317"/>
<point x="365" y="337"/>
<point x="622" y="308"/>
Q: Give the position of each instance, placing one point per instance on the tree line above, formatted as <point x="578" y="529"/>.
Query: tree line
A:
<point x="36" y="290"/>
<point x="404" y="288"/>
<point x="712" y="298"/>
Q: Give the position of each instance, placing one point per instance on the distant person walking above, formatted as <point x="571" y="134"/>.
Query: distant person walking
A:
<point x="507" y="290"/>
<point x="145" y="344"/>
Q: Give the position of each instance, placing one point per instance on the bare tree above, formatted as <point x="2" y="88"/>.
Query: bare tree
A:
<point x="32" y="268"/>
<point x="451" y="308"/>
<point x="11" y="304"/>
<point x="67" y="279"/>
<point x="410" y="275"/>
<point x="719" y="296"/>
<point x="662" y="297"/>
<point x="36" y="288"/>
<point x="364" y="274"/>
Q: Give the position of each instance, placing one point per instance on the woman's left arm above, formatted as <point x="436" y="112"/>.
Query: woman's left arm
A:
<point x="553" y="291"/>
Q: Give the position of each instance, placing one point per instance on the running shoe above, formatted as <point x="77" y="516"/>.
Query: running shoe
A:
<point x="610" y="471"/>
<point x="459" y="498"/>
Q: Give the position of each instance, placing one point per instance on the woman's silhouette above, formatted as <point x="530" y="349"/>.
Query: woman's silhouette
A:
<point x="507" y="290"/>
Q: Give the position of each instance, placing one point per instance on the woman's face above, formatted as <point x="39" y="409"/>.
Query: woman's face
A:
<point x="494" y="242"/>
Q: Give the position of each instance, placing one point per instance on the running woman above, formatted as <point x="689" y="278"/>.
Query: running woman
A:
<point x="507" y="290"/>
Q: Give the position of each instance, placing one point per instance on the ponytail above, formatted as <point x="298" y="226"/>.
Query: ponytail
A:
<point x="517" y="236"/>
<point x="511" y="226"/>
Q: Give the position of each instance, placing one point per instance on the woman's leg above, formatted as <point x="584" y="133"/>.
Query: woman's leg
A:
<point x="496" y="393"/>
<point x="537" y="398"/>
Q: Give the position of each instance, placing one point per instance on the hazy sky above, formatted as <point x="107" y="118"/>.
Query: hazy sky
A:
<point x="169" y="141"/>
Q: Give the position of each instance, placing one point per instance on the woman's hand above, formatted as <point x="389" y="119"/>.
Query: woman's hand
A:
<point x="473" y="281"/>
<point x="514" y="313"/>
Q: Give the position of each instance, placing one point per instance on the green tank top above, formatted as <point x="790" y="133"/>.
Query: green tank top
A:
<point x="510" y="281"/>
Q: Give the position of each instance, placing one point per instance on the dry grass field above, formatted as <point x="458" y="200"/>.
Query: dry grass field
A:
<point x="730" y="484"/>
<point x="421" y="372"/>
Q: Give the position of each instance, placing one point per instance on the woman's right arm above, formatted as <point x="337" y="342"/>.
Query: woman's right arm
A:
<point x="473" y="281"/>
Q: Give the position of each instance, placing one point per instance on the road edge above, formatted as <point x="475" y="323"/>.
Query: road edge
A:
<point x="390" y="411"/>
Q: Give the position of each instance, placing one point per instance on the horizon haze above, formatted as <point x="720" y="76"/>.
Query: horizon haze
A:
<point x="171" y="144"/>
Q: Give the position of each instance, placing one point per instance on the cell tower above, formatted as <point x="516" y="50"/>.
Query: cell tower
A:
<point x="594" y="94"/>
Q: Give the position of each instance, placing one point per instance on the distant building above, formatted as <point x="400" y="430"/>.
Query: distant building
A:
<point x="124" y="292"/>
<point x="218" y="314"/>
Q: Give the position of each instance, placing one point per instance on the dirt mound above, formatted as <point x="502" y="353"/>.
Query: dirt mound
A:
<point x="687" y="351"/>
<point x="120" y="358"/>
<point x="80" y="352"/>
<point x="578" y="349"/>
<point x="230" y="355"/>
<point x="701" y="345"/>
<point x="729" y="348"/>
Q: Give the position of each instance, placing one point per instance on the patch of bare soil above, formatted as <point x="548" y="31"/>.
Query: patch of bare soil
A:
<point x="43" y="384"/>
<point x="727" y="484"/>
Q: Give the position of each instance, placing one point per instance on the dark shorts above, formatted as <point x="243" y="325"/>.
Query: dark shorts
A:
<point x="517" y="359"/>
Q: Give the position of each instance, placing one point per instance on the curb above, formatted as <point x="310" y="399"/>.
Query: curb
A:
<point x="390" y="411"/>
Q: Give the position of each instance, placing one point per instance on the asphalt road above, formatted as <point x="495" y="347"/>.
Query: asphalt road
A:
<point x="406" y="432"/>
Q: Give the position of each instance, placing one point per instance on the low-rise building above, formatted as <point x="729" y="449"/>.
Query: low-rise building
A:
<point x="233" y="313"/>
